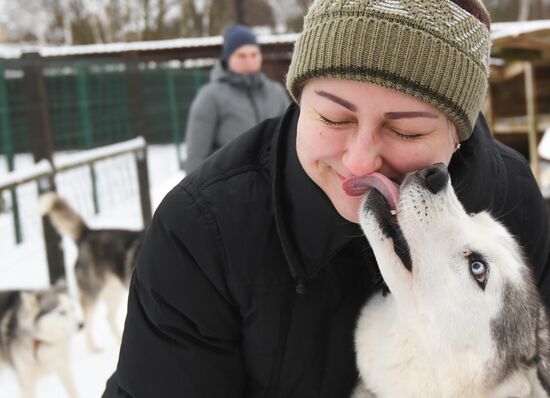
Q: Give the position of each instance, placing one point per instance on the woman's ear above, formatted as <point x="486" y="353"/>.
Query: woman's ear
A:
<point x="454" y="134"/>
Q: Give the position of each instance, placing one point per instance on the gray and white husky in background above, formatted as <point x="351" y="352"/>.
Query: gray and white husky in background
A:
<point x="464" y="318"/>
<point x="35" y="336"/>
<point x="104" y="265"/>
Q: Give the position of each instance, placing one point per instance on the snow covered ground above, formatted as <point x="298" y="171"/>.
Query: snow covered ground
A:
<point x="24" y="265"/>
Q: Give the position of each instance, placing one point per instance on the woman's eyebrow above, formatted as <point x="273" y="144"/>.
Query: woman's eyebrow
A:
<point x="408" y="115"/>
<point x="338" y="100"/>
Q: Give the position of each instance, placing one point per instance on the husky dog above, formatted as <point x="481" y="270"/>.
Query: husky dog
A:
<point x="105" y="261"/>
<point x="463" y="317"/>
<point x="35" y="331"/>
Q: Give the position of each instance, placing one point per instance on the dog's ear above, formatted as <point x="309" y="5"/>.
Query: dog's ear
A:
<point x="29" y="301"/>
<point x="487" y="220"/>
<point x="496" y="231"/>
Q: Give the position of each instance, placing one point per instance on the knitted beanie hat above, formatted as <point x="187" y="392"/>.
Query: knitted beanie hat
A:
<point x="434" y="50"/>
<point x="235" y="37"/>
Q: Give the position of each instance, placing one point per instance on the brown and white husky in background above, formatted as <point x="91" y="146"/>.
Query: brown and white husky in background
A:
<point x="104" y="265"/>
<point x="35" y="336"/>
<point x="464" y="317"/>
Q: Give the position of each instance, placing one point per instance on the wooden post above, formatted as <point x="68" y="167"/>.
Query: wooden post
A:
<point x="135" y="97"/>
<point x="38" y="121"/>
<point x="139" y="128"/>
<point x="532" y="127"/>
<point x="143" y="178"/>
<point x="9" y="151"/>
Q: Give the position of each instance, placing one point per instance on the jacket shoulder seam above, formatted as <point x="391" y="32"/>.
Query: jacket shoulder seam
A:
<point x="207" y="216"/>
<point x="228" y="175"/>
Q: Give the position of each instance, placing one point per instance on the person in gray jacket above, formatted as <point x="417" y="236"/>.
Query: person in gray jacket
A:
<point x="238" y="97"/>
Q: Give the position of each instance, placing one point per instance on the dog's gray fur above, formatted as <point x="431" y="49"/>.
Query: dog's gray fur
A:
<point x="105" y="260"/>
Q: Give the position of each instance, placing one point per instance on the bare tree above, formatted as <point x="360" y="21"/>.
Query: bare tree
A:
<point x="258" y="13"/>
<point x="103" y="21"/>
<point x="288" y="14"/>
<point x="518" y="10"/>
<point x="524" y="8"/>
<point x="191" y="23"/>
<point x="239" y="11"/>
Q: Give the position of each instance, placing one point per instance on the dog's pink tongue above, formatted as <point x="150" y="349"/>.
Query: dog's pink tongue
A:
<point x="355" y="186"/>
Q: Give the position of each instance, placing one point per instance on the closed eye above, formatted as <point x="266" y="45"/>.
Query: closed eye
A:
<point x="404" y="136"/>
<point x="333" y="123"/>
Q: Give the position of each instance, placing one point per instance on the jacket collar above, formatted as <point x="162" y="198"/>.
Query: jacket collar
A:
<point x="478" y="172"/>
<point x="311" y="230"/>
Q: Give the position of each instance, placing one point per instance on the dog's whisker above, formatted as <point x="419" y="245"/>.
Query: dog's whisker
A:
<point x="501" y="216"/>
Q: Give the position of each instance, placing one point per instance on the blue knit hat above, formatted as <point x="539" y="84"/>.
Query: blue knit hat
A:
<point x="235" y="37"/>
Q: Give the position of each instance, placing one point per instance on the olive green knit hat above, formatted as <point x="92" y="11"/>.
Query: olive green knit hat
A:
<point x="434" y="50"/>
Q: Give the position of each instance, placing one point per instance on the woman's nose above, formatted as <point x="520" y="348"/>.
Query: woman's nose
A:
<point x="362" y="156"/>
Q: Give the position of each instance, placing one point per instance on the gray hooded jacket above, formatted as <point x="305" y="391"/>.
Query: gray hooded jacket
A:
<point x="226" y="107"/>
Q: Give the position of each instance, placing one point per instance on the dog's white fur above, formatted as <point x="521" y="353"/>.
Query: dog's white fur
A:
<point x="40" y="343"/>
<point x="434" y="336"/>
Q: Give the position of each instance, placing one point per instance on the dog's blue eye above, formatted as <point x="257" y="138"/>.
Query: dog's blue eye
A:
<point x="479" y="271"/>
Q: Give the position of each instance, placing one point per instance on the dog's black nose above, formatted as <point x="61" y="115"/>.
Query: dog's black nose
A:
<point x="436" y="177"/>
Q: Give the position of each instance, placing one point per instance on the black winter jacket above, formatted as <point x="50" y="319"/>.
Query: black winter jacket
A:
<point x="249" y="283"/>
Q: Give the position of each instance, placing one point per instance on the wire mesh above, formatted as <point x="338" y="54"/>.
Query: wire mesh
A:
<point x="89" y="102"/>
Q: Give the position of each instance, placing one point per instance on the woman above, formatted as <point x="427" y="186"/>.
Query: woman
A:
<point x="254" y="269"/>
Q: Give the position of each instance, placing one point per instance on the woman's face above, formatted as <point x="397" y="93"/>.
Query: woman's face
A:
<point x="349" y="128"/>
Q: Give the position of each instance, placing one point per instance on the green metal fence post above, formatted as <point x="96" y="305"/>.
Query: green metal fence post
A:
<point x="176" y="132"/>
<point x="7" y="143"/>
<point x="87" y="127"/>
